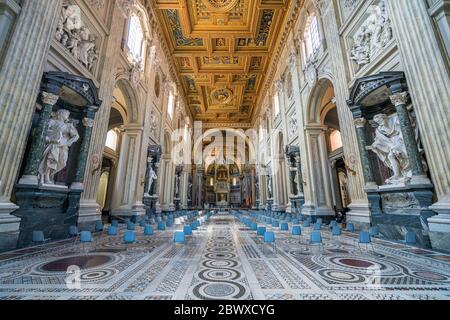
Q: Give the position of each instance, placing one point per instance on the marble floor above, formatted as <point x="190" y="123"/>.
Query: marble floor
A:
<point x="224" y="260"/>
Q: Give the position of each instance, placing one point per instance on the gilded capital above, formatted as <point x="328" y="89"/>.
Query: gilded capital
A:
<point x="399" y="99"/>
<point x="49" y="98"/>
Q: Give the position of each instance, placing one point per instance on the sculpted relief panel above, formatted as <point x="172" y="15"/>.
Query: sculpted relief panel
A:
<point x="372" y="36"/>
<point x="76" y="37"/>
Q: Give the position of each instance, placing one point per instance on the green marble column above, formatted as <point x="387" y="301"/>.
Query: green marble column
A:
<point x="88" y="123"/>
<point x="360" y="124"/>
<point x="415" y="160"/>
<point x="38" y="138"/>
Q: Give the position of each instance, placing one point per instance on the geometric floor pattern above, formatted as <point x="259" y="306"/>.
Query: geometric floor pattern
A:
<point x="224" y="261"/>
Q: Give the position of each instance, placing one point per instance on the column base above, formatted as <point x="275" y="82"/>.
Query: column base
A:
<point x="29" y="180"/>
<point x="359" y="215"/>
<point x="9" y="227"/>
<point x="440" y="225"/>
<point x="88" y="215"/>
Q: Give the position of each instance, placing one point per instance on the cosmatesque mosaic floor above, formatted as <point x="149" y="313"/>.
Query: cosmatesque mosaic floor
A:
<point x="224" y="260"/>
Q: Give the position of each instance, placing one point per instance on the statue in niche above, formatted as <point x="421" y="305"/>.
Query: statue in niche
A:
<point x="60" y="136"/>
<point x="152" y="178"/>
<point x="390" y="148"/>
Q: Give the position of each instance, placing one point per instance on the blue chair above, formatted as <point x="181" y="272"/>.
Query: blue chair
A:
<point x="253" y="226"/>
<point x="333" y="224"/>
<point x="275" y="224"/>
<point x="261" y="231"/>
<point x="187" y="231"/>
<point x="350" y="227"/>
<point x="161" y="226"/>
<point x="131" y="226"/>
<point x="284" y="227"/>
<point x="296" y="231"/>
<point x="317" y="226"/>
<point x="269" y="238"/>
<point x="169" y="224"/>
<point x="410" y="238"/>
<point x="374" y="231"/>
<point x="142" y="223"/>
<point x="148" y="230"/>
<point x="129" y="237"/>
<point x="38" y="237"/>
<point x="194" y="226"/>
<point x="73" y="231"/>
<point x="85" y="237"/>
<point x="295" y="221"/>
<point x="112" y="231"/>
<point x="99" y="226"/>
<point x="306" y="224"/>
<point x="365" y="239"/>
<point x="316" y="239"/>
<point x="179" y="237"/>
<point x="336" y="231"/>
<point x="115" y="223"/>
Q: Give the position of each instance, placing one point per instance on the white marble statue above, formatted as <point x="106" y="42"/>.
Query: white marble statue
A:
<point x="372" y="36"/>
<point x="60" y="136"/>
<point x="152" y="178"/>
<point x="390" y="148"/>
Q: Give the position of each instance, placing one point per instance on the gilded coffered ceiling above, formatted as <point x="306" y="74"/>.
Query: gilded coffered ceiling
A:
<point x="222" y="51"/>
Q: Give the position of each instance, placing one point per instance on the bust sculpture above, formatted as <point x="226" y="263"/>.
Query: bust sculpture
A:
<point x="60" y="136"/>
<point x="390" y="148"/>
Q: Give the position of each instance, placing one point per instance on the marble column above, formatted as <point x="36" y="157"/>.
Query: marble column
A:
<point x="127" y="200"/>
<point x="428" y="79"/>
<point x="322" y="193"/>
<point x="88" y="123"/>
<point x="20" y="75"/>
<point x="415" y="159"/>
<point x="360" y="125"/>
<point x="38" y="139"/>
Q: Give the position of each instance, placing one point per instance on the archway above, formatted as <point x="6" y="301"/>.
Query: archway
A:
<point x="327" y="171"/>
<point x="125" y="121"/>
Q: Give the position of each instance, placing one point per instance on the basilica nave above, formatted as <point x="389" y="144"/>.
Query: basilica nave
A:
<point x="224" y="150"/>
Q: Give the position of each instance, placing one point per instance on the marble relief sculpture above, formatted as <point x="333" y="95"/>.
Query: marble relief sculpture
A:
<point x="390" y="148"/>
<point x="60" y="136"/>
<point x="76" y="37"/>
<point x="372" y="36"/>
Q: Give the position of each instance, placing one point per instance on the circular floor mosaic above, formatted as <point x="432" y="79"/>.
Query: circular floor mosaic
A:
<point x="83" y="262"/>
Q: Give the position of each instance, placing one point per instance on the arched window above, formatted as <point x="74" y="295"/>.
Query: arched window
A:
<point x="312" y="36"/>
<point x="111" y="140"/>
<point x="135" y="41"/>
<point x="171" y="105"/>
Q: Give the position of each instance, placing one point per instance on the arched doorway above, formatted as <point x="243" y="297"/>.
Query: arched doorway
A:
<point x="327" y="170"/>
<point x="125" y="191"/>
<point x="111" y="155"/>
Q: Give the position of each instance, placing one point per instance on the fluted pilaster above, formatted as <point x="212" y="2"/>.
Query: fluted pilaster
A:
<point x="20" y="77"/>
